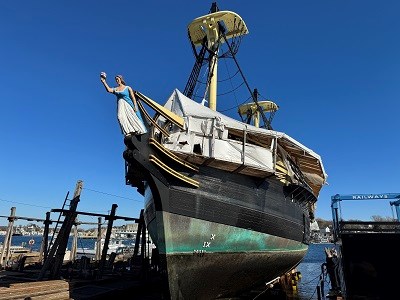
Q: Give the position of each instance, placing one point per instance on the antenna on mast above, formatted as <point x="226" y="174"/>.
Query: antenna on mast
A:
<point x="214" y="8"/>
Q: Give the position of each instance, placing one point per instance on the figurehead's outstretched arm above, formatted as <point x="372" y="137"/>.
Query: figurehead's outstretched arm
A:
<point x="103" y="80"/>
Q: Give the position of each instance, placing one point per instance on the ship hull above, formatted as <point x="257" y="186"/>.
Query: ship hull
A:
<point x="218" y="240"/>
<point x="224" y="275"/>
<point x="208" y="260"/>
<point x="227" y="204"/>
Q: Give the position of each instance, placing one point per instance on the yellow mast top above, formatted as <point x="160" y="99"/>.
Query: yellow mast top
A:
<point x="253" y="109"/>
<point x="207" y="26"/>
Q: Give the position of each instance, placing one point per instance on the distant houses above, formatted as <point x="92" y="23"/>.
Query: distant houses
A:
<point x="127" y="231"/>
<point x="326" y="235"/>
<point x="319" y="235"/>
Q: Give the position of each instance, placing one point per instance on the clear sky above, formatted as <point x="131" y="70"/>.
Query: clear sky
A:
<point x="333" y="67"/>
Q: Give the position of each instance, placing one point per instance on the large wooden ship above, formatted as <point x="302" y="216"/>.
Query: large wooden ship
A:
<point x="228" y="203"/>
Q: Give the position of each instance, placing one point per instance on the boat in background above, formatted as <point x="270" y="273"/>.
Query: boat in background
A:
<point x="228" y="203"/>
<point x="16" y="250"/>
<point x="118" y="246"/>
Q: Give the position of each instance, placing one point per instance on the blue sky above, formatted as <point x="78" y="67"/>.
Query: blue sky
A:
<point x="333" y="67"/>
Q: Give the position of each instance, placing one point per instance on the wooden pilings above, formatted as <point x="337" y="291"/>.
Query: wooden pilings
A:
<point x="57" y="252"/>
<point x="74" y="245"/>
<point x="45" y="238"/>
<point x="6" y="250"/>
<point x="98" y="242"/>
<point x="107" y="239"/>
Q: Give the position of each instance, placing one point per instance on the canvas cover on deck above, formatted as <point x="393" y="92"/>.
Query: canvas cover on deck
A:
<point x="308" y="161"/>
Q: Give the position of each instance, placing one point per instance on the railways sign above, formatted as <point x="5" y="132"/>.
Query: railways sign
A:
<point x="372" y="196"/>
<point x="338" y="197"/>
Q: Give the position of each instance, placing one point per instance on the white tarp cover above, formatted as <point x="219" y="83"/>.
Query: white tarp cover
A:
<point x="189" y="109"/>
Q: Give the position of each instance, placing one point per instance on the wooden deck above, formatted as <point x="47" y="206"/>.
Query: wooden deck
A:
<point x="23" y="286"/>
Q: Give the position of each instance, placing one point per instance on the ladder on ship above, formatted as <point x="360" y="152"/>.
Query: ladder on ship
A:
<point x="194" y="75"/>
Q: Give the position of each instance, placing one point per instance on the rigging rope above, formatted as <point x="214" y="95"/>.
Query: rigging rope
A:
<point x="230" y="80"/>
<point x="221" y="80"/>
<point x="266" y="122"/>
<point x="231" y="91"/>
<point x="198" y="86"/>
<point x="236" y="105"/>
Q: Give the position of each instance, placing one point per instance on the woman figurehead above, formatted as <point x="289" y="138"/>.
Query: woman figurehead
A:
<point x="119" y="79"/>
<point x="129" y="117"/>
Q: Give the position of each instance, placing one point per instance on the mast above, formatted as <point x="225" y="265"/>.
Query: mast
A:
<point x="213" y="45"/>
<point x="257" y="114"/>
<point x="209" y="27"/>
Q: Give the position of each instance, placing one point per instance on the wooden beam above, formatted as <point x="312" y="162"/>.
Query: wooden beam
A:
<point x="169" y="115"/>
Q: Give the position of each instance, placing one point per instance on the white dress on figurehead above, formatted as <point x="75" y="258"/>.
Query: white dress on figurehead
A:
<point x="129" y="120"/>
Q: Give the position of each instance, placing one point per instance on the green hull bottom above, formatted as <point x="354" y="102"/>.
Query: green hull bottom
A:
<point x="206" y="260"/>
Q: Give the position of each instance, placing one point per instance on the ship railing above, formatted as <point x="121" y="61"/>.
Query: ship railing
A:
<point x="160" y="111"/>
<point x="156" y="133"/>
<point x="265" y="140"/>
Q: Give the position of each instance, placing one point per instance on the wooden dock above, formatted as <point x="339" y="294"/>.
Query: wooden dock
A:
<point x="36" y="290"/>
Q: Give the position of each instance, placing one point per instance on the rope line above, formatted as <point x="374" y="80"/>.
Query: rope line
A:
<point x="27" y="204"/>
<point x="108" y="194"/>
<point x="261" y="293"/>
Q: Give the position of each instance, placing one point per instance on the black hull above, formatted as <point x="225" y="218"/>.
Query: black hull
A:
<point x="225" y="275"/>
<point x="222" y="238"/>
